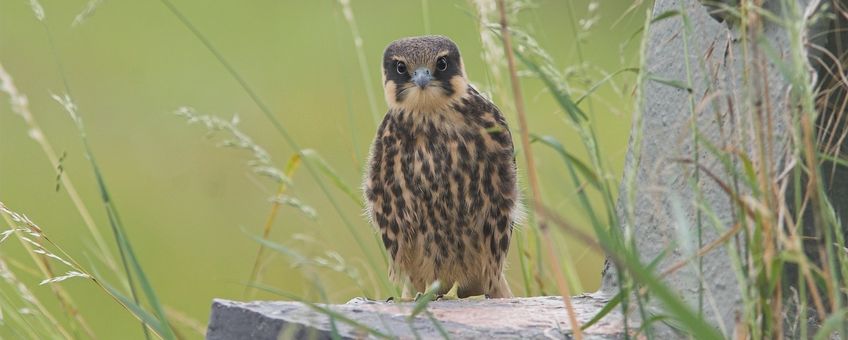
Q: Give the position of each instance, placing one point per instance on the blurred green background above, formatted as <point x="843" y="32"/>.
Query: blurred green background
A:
<point x="185" y="201"/>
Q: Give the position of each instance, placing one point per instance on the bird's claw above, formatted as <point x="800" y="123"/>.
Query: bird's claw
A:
<point x="452" y="294"/>
<point x="405" y="299"/>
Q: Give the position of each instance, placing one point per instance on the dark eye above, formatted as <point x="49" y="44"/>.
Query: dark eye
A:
<point x="442" y="63"/>
<point x="401" y="67"/>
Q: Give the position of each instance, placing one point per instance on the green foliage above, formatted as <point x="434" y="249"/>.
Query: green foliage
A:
<point x="128" y="258"/>
<point x="600" y="219"/>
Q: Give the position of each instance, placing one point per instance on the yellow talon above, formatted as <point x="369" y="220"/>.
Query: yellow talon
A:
<point x="452" y="294"/>
<point x="477" y="297"/>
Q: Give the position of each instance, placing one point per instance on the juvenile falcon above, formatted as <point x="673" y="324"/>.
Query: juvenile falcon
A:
<point x="441" y="183"/>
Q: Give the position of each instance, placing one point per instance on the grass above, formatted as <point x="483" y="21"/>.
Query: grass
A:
<point x="783" y="219"/>
<point x="524" y="134"/>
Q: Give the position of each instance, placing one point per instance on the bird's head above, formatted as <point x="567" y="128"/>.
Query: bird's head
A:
<point x="423" y="74"/>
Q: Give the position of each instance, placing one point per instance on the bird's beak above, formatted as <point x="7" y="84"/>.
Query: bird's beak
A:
<point x="421" y="77"/>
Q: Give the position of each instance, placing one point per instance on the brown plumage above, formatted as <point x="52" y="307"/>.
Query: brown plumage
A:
<point x="441" y="182"/>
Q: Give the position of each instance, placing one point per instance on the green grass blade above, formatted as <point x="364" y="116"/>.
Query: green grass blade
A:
<point x="522" y="262"/>
<point x="660" y="17"/>
<point x="616" y="300"/>
<point x="670" y="82"/>
<point x="152" y="299"/>
<point x="569" y="158"/>
<point x="70" y="107"/>
<point x="130" y="261"/>
<point x="691" y="321"/>
<point x="665" y="15"/>
<point x="297" y="204"/>
<point x="323" y="310"/>
<point x="148" y="319"/>
<point x="562" y="98"/>
<point x="603" y="81"/>
<point x="830" y="325"/>
<point x="331" y="174"/>
<point x="608" y="307"/>
<point x="424" y="300"/>
<point x="281" y="130"/>
<point x="584" y="128"/>
<point x="296" y="256"/>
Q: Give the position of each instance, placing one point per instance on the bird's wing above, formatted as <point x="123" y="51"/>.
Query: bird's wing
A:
<point x="499" y="117"/>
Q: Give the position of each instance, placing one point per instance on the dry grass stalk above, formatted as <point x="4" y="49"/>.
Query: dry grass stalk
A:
<point x="562" y="284"/>
<point x="20" y="105"/>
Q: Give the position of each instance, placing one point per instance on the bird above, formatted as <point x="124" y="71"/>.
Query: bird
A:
<point x="440" y="182"/>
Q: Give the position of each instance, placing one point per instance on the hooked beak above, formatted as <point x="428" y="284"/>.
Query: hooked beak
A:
<point x="422" y="77"/>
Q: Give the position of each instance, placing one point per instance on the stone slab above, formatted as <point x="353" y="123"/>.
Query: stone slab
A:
<point x="530" y="318"/>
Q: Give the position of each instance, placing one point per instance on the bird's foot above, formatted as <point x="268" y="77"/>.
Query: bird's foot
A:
<point x="405" y="298"/>
<point x="478" y="297"/>
<point x="452" y="294"/>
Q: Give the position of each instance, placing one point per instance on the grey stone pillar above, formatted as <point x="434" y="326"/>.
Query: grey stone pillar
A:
<point x="666" y="183"/>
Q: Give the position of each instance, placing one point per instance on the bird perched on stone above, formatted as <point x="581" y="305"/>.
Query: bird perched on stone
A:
<point x="441" y="178"/>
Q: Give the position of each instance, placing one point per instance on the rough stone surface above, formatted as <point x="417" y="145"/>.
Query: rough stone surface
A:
<point x="531" y="318"/>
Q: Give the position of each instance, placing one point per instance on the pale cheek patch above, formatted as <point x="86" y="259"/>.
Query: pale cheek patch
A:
<point x="390" y="91"/>
<point x="459" y="85"/>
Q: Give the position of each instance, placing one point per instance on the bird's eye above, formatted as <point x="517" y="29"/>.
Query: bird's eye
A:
<point x="401" y="67"/>
<point x="442" y="63"/>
